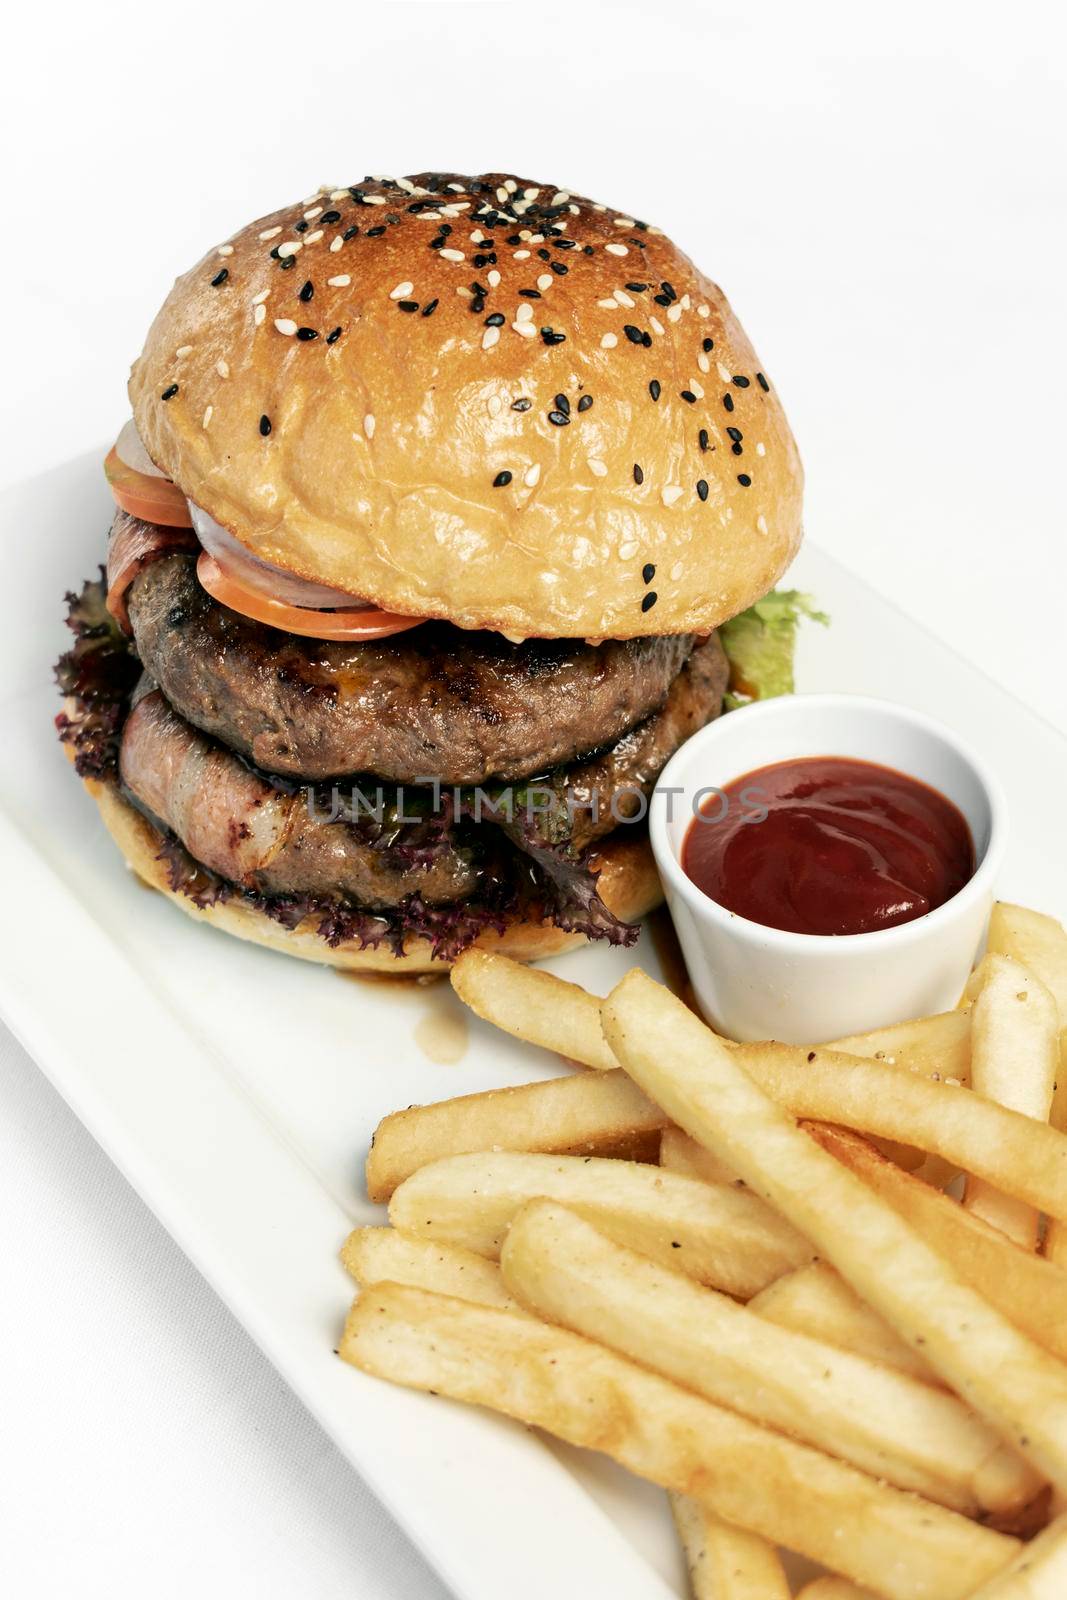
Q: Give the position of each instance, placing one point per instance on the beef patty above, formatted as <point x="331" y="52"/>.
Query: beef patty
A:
<point x="436" y="702"/>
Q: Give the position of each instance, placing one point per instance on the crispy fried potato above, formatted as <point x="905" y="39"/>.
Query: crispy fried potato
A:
<point x="720" y="1236"/>
<point x="726" y="1563"/>
<point x="577" y="1115"/>
<point x="533" y="1005"/>
<point x="1024" y="1158"/>
<point x="381" y="1255"/>
<point x="679" y="1153"/>
<point x="1037" y="942"/>
<point x="940" y="1043"/>
<point x="708" y="1090"/>
<point x="785" y="1492"/>
<point x="816" y="1300"/>
<point x="1014" y="1059"/>
<point x="905" y="1432"/>
<point x="1029" y="1291"/>
<point x="1038" y="1572"/>
<point x="834" y="1589"/>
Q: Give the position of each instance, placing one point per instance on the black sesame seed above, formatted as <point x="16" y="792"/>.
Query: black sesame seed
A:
<point x="407" y="305"/>
<point x="329" y="217"/>
<point x="668" y="290"/>
<point x="559" y="419"/>
<point x="735" y="434"/>
<point x="544" y="255"/>
<point x="764" y="385"/>
<point x="264" y="426"/>
<point x="587" y="249"/>
<point x="709" y="344"/>
<point x="220" y="277"/>
<point x="350" y="233"/>
<point x="560" y="267"/>
<point x="736" y="449"/>
<point x="639" y="476"/>
<point x="662" y="299"/>
<point x="306" y="292"/>
<point x="563" y="404"/>
<point x="702" y="488"/>
<point x="688" y="396"/>
<point x="275" y="253"/>
<point x="286" y="262"/>
<point x="702" y="436"/>
<point x="307" y="333"/>
<point x="550" y="336"/>
<point x="332" y="338"/>
<point x="648" y="572"/>
<point x="301" y="227"/>
<point x="168" y="394"/>
<point x="481" y="261"/>
<point x="374" y="233"/>
<point x="634" y="335"/>
<point x="530" y="294"/>
<point x="649" y="601"/>
<point x="638" y="288"/>
<point x="728" y="401"/>
<point x="501" y="480"/>
<point x="430" y="307"/>
<point x="495" y="321"/>
<point x="742" y="383"/>
<point x="585" y="402"/>
<point x="744" y="480"/>
<point x="654" y="389"/>
<point x="478" y="304"/>
<point x="521" y="405"/>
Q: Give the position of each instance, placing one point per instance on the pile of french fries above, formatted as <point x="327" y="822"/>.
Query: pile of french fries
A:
<point x="819" y="1294"/>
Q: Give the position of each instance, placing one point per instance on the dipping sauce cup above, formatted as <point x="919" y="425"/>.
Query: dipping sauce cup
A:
<point x="756" y="982"/>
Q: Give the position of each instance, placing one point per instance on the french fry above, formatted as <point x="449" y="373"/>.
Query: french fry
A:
<point x="816" y="1300"/>
<point x="708" y="1090"/>
<point x="720" y="1236"/>
<point x="1037" y="942"/>
<point x="534" y="1006"/>
<point x="1023" y="1158"/>
<point x="1014" y="1059"/>
<point x="1038" y="1571"/>
<point x="679" y="1153"/>
<point x="905" y="1432"/>
<point x="940" y="1043"/>
<point x="834" y="1589"/>
<point x="381" y="1255"/>
<point x="578" y="1114"/>
<point x="1029" y="1291"/>
<point x="787" y="1493"/>
<point x="726" y="1563"/>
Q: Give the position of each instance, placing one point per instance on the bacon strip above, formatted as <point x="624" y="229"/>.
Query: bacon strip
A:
<point x="132" y="544"/>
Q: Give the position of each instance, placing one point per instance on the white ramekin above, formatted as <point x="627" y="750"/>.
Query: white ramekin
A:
<point x="754" y="982"/>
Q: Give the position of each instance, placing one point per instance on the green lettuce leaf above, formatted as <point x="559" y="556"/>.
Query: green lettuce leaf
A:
<point x="759" y="645"/>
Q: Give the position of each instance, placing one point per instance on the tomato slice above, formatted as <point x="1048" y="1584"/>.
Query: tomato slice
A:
<point x="355" y="624"/>
<point x="150" y="498"/>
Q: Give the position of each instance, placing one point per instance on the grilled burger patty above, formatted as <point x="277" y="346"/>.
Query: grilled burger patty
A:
<point x="234" y="821"/>
<point x="462" y="707"/>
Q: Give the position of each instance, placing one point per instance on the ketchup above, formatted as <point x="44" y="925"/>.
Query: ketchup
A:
<point x="829" y="846"/>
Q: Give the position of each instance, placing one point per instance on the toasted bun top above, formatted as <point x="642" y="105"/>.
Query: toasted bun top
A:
<point x="480" y="399"/>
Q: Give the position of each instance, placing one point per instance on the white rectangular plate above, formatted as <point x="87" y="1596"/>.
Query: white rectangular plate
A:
<point x="237" y="1090"/>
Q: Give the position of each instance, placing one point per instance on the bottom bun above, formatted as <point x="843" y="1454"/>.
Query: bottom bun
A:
<point x="628" y="882"/>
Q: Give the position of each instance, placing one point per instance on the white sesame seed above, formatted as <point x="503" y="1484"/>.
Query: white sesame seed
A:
<point x="531" y="475"/>
<point x="257" y="300"/>
<point x="703" y="311"/>
<point x="676" y="571"/>
<point x="628" y="550"/>
<point x="685" y="302"/>
<point x="524" y="314"/>
<point x="502" y="195"/>
<point x="260" y="314"/>
<point x="598" y="207"/>
<point x="457" y="188"/>
<point x="490" y="337"/>
<point x="493" y="278"/>
<point x="656" y="325"/>
<point x="545" y="281"/>
<point x="451" y="255"/>
<point x="313" y="238"/>
<point x="724" y="372"/>
<point x="336" y="242"/>
<point x="597" y="468"/>
<point x="761" y="449"/>
<point x="401" y="291"/>
<point x="207" y="416"/>
<point x="406" y="184"/>
<point x="608" y="305"/>
<point x="625" y="299"/>
<point x="368" y="425"/>
<point x="531" y="194"/>
<point x="609" y="341"/>
<point x="270" y="233"/>
<point x="527" y="329"/>
<point x="761" y="524"/>
<point x="338" y="194"/>
<point x="671" y="493"/>
<point x="703" y="363"/>
<point x="291" y="247"/>
<point x="341" y="281"/>
<point x="225" y="250"/>
<point x="309" y="216"/>
<point x="521" y="255"/>
<point x="285" y="325"/>
<point x="374" y="199"/>
<point x="674" y="313"/>
<point x="184" y="350"/>
<point x="617" y="249"/>
<point x="624" y="222"/>
<point x="477" y="236"/>
<point x="494" y="403"/>
<point x="510" y="185"/>
<point x="222" y="368"/>
<point x="575" y="211"/>
<point x="429" y="216"/>
<point x="696" y="388"/>
<point x="560" y="197"/>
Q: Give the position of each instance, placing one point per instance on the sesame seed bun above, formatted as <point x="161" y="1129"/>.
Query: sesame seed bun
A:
<point x="484" y="400"/>
<point x="628" y="884"/>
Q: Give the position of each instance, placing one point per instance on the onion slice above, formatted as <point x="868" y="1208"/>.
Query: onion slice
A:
<point x="252" y="572"/>
<point x="138" y="485"/>
<point x="132" y="545"/>
<point x="309" y="623"/>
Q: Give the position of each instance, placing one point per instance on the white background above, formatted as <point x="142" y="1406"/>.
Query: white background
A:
<point x="882" y="197"/>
